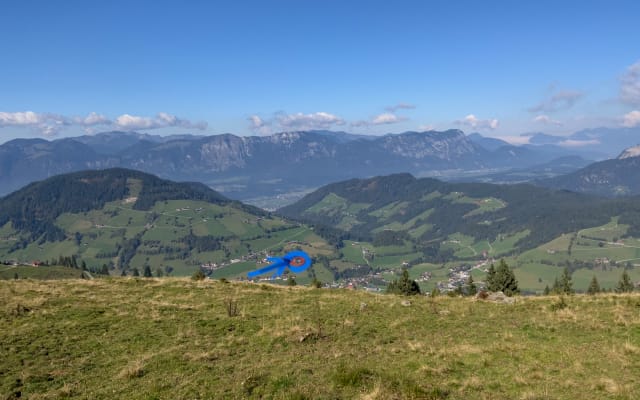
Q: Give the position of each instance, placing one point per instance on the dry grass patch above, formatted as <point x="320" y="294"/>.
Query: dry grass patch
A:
<point x="135" y="369"/>
<point x="609" y="385"/>
<point x="465" y="349"/>
<point x="631" y="349"/>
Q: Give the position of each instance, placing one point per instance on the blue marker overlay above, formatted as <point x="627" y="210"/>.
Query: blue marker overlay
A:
<point x="296" y="261"/>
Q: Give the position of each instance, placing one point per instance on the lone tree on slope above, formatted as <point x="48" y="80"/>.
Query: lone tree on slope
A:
<point x="594" y="286"/>
<point x="404" y="285"/>
<point x="502" y="279"/>
<point x="625" y="285"/>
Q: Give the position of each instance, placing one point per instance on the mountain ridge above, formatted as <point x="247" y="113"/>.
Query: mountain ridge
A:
<point x="610" y="178"/>
<point x="298" y="158"/>
<point x="246" y="167"/>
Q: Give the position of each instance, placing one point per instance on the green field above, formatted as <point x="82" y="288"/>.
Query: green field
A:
<point x="389" y="210"/>
<point x="353" y="251"/>
<point x="44" y="273"/>
<point x="174" y="339"/>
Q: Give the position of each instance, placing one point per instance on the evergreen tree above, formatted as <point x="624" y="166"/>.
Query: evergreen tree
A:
<point x="15" y="276"/>
<point x="147" y="271"/>
<point x="565" y="285"/>
<point x="104" y="270"/>
<point x="490" y="281"/>
<point x="624" y="285"/>
<point x="291" y="281"/>
<point x="546" y="290"/>
<point x="555" y="289"/>
<point x="136" y="272"/>
<point x="594" y="286"/>
<point x="198" y="275"/>
<point x="404" y="285"/>
<point x="505" y="279"/>
<point x="472" y="289"/>
<point x="123" y="273"/>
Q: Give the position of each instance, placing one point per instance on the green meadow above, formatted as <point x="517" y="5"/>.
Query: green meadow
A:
<point x="174" y="338"/>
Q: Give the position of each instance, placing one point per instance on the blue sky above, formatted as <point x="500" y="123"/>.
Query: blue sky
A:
<point x="501" y="68"/>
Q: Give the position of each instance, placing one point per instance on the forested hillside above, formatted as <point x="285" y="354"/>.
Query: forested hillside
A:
<point x="427" y="210"/>
<point x="33" y="209"/>
<point x="121" y="221"/>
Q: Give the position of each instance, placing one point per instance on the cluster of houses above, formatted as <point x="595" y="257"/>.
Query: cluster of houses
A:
<point x="213" y="266"/>
<point x="424" y="277"/>
<point x="459" y="275"/>
<point x="14" y="263"/>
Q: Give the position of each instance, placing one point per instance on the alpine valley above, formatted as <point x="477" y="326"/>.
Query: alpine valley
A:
<point x="360" y="232"/>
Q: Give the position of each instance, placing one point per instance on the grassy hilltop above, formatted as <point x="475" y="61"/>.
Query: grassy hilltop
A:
<point x="174" y="338"/>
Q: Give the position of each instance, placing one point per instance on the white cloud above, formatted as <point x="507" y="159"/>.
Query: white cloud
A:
<point x="630" y="85"/>
<point x="631" y="119"/>
<point x="20" y="118"/>
<point x="48" y="124"/>
<point x="259" y="125"/>
<point x="561" y="100"/>
<point x="400" y="106"/>
<point x="386" y="118"/>
<point x="473" y="122"/>
<point x="300" y="121"/>
<point x="256" y="122"/>
<point x="49" y="130"/>
<point x="168" y="119"/>
<point x="132" y="122"/>
<point x="545" y="119"/>
<point x="92" y="119"/>
<point x="162" y="120"/>
<point x="380" y="119"/>
<point x="294" y="122"/>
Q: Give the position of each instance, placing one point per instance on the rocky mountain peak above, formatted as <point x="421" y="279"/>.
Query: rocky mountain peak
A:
<point x="630" y="152"/>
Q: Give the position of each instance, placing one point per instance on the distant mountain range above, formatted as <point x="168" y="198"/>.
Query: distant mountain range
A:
<point x="254" y="166"/>
<point x="615" y="177"/>
<point x="596" y="144"/>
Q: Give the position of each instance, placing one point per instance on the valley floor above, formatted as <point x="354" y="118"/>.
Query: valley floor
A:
<point x="176" y="338"/>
